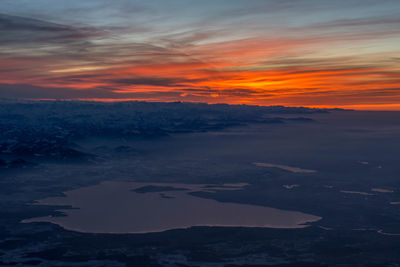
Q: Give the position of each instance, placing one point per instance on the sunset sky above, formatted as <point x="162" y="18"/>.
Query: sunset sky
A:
<point x="297" y="53"/>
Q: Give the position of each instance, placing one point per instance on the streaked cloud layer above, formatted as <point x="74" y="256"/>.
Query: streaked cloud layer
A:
<point x="305" y="52"/>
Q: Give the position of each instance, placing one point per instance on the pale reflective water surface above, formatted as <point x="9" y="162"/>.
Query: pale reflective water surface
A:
<point x="129" y="207"/>
<point x="284" y="167"/>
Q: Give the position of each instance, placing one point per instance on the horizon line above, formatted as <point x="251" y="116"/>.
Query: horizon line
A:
<point x="361" y="107"/>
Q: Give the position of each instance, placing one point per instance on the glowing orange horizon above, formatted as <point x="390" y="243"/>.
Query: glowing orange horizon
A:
<point x="245" y="71"/>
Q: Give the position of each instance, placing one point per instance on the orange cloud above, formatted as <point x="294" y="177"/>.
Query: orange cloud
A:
<point x="262" y="71"/>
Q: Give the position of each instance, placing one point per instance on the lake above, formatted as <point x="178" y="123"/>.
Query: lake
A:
<point x="131" y="207"/>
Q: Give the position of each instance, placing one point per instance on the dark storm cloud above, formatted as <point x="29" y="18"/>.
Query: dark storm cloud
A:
<point x="27" y="36"/>
<point x="26" y="91"/>
<point x="226" y="92"/>
<point x="155" y="81"/>
<point x="371" y="21"/>
<point x="20" y="30"/>
<point x="293" y="62"/>
<point x="38" y="92"/>
<point x="79" y="78"/>
<point x="379" y="92"/>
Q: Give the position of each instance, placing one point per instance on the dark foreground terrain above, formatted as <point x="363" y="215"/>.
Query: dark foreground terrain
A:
<point x="353" y="181"/>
